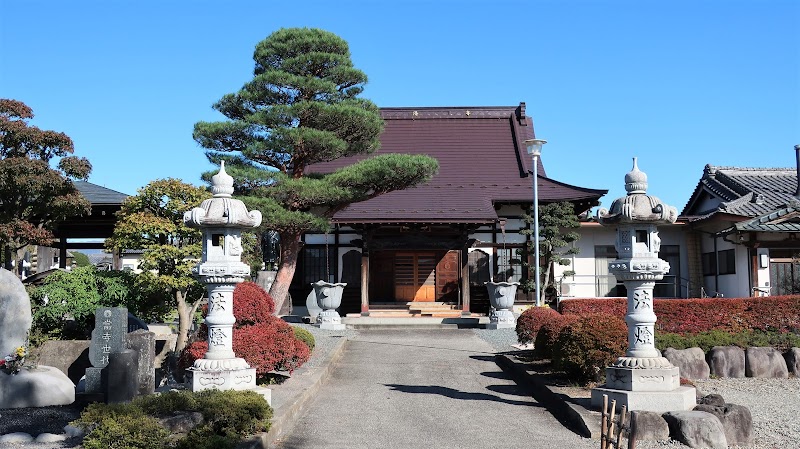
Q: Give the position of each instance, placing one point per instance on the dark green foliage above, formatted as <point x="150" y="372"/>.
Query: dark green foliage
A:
<point x="305" y="336"/>
<point x="74" y="295"/>
<point x="709" y="339"/>
<point x="302" y="108"/>
<point x="558" y="226"/>
<point x="229" y="416"/>
<point x="81" y="259"/>
<point x="589" y="344"/>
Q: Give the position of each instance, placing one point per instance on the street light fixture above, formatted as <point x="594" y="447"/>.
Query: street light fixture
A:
<point x="535" y="150"/>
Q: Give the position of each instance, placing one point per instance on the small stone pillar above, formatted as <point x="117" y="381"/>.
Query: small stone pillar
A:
<point x="221" y="219"/>
<point x="642" y="379"/>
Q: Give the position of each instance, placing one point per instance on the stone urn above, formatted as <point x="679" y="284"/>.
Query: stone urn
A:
<point x="329" y="298"/>
<point x="501" y="297"/>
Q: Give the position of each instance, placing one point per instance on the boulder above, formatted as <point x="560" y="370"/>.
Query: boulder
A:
<point x="50" y="438"/>
<point x="648" y="426"/>
<point x="696" y="429"/>
<point x="16" y="438"/>
<point x="691" y="362"/>
<point x="726" y="361"/>
<point x="735" y="419"/>
<point x="793" y="361"/>
<point x="15" y="313"/>
<point x="765" y="362"/>
<point x="36" y="387"/>
<point x="712" y="399"/>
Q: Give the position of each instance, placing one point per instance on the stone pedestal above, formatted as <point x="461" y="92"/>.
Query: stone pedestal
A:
<point x="502" y="319"/>
<point x="223" y="379"/>
<point x="331" y="320"/>
<point x="682" y="398"/>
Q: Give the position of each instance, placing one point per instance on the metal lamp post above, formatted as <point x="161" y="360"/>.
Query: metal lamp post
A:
<point x="535" y="150"/>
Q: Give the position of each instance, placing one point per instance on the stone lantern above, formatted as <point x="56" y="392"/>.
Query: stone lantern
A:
<point x="221" y="220"/>
<point x="642" y="379"/>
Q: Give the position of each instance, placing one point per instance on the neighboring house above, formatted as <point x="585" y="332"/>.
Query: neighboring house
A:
<point x="438" y="242"/>
<point x="746" y="222"/>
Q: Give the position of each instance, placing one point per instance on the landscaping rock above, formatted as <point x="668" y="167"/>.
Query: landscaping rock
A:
<point x="736" y="420"/>
<point x="648" y="426"/>
<point x="696" y="429"/>
<point x="16" y="437"/>
<point x="712" y="399"/>
<point x="793" y="361"/>
<point x="182" y="422"/>
<point x="73" y="431"/>
<point x="765" y="362"/>
<point x="691" y="362"/>
<point x="36" y="387"/>
<point x="50" y="438"/>
<point x="726" y="361"/>
<point x="15" y="313"/>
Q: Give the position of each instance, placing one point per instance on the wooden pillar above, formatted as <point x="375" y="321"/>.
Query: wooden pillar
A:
<point x="465" y="297"/>
<point x="62" y="253"/>
<point x="364" y="282"/>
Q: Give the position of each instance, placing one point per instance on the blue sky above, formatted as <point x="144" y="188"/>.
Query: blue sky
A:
<point x="679" y="84"/>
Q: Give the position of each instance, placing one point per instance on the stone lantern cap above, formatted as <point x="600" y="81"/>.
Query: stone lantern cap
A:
<point x="221" y="210"/>
<point x="637" y="207"/>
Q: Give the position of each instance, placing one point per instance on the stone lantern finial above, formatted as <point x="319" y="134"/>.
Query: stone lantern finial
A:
<point x="635" y="180"/>
<point x="222" y="183"/>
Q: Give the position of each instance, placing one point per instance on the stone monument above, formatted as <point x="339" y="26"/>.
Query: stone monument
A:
<point x="108" y="337"/>
<point x="642" y="379"/>
<point x="221" y="220"/>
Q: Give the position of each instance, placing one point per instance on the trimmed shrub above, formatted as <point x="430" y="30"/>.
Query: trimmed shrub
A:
<point x="228" y="416"/>
<point x="709" y="339"/>
<point x="305" y="336"/>
<point x="548" y="334"/>
<point x="251" y="304"/>
<point x="586" y="346"/>
<point x="267" y="346"/>
<point x="531" y="320"/>
<point x="768" y="314"/>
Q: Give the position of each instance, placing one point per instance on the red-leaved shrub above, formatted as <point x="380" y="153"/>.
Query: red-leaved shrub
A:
<point x="251" y="304"/>
<point x="548" y="334"/>
<point x="590" y="343"/>
<point x="691" y="316"/>
<point x="531" y="320"/>
<point x="265" y="341"/>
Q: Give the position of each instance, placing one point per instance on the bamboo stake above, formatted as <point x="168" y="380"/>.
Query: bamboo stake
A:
<point x="603" y="423"/>
<point x="610" y="438"/>
<point x="621" y="426"/>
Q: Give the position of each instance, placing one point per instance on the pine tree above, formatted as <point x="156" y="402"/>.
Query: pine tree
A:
<point x="557" y="231"/>
<point x="303" y="107"/>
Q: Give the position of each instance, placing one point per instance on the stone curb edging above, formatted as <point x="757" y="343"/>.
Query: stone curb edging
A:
<point x="585" y="423"/>
<point x="285" y="415"/>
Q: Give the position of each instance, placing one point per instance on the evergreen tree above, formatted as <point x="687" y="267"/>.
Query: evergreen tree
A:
<point x="33" y="195"/>
<point x="302" y="107"/>
<point x="557" y="232"/>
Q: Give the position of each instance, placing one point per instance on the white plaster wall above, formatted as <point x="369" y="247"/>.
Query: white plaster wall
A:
<point x="319" y="239"/>
<point x="482" y="237"/>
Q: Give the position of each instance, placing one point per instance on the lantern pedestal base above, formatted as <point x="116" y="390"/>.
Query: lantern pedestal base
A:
<point x="330" y="320"/>
<point x="233" y="379"/>
<point x="502" y="319"/>
<point x="651" y="389"/>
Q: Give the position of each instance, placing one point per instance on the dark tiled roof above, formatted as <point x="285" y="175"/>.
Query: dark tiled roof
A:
<point x="98" y="195"/>
<point x="482" y="161"/>
<point x="748" y="192"/>
<point x="786" y="219"/>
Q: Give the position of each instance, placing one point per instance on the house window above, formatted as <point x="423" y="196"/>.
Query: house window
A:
<point x="727" y="261"/>
<point x="606" y="283"/>
<point x="316" y="265"/>
<point x="709" y="264"/>
<point x="509" y="266"/>
<point x="669" y="286"/>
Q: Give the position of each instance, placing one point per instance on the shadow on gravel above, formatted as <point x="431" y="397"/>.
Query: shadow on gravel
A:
<point x="456" y="394"/>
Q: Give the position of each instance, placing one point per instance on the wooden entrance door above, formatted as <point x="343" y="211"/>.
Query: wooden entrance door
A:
<point x="415" y="276"/>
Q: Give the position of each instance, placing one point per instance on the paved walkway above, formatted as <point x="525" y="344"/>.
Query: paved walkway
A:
<point x="424" y="389"/>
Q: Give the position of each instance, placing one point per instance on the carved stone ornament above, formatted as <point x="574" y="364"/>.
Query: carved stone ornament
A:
<point x="637" y="206"/>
